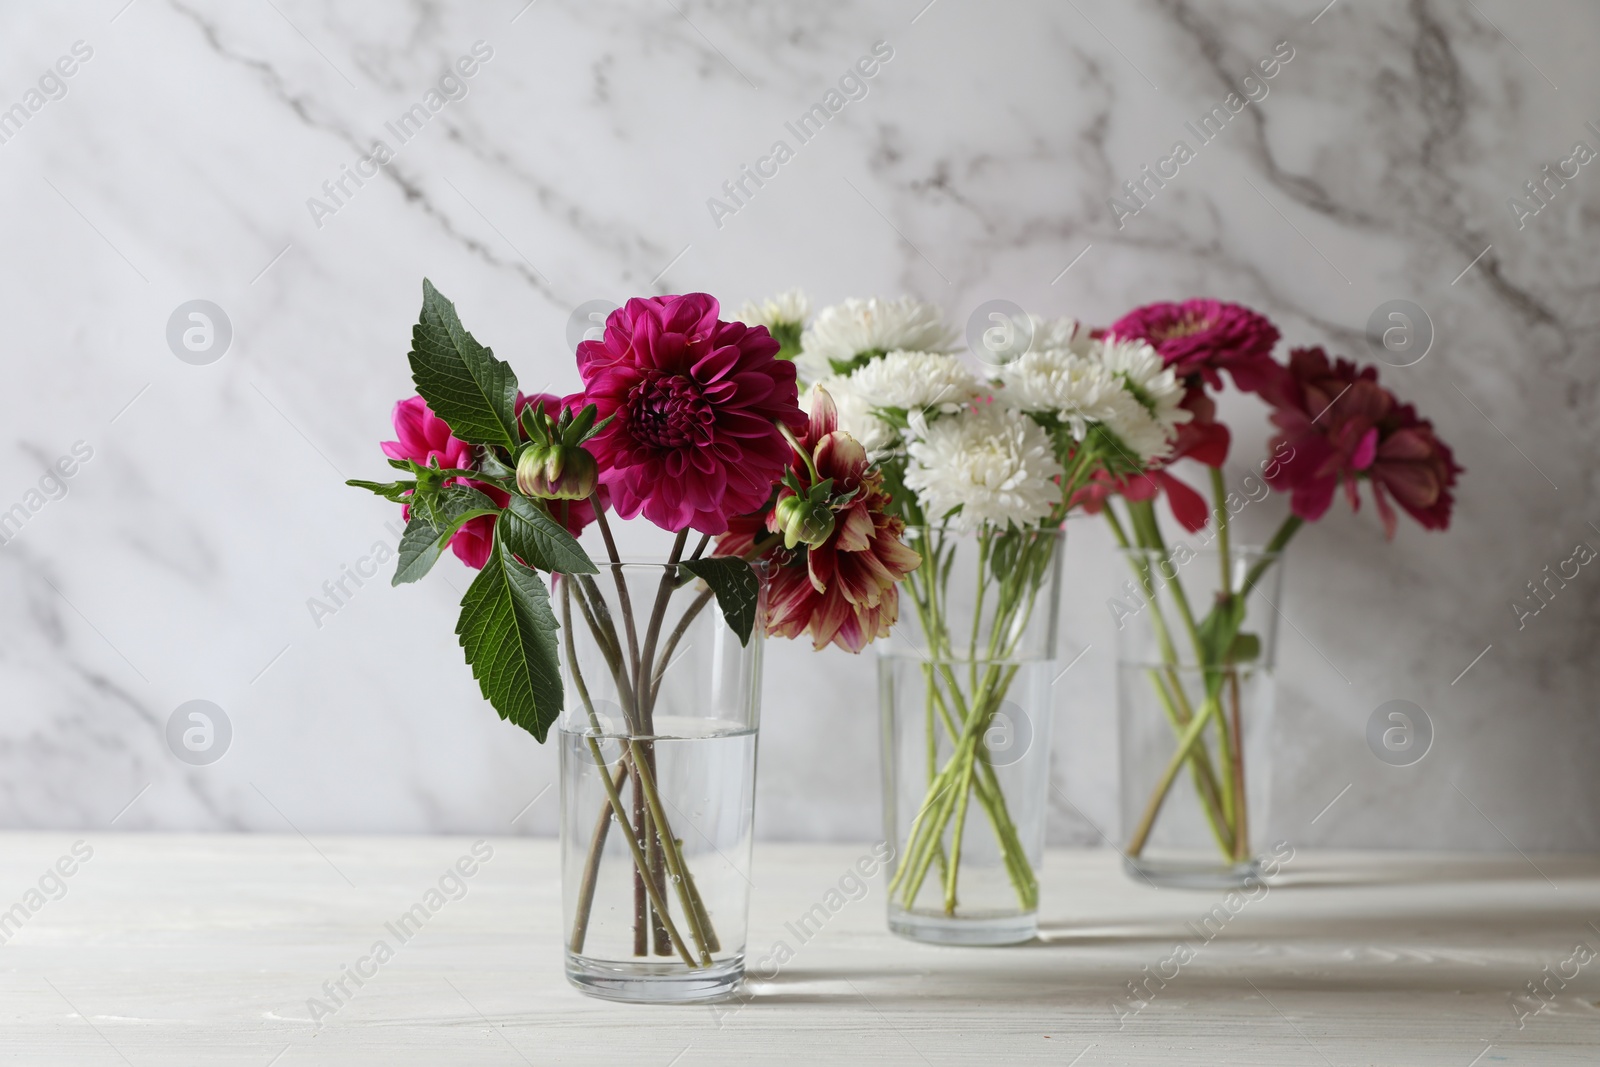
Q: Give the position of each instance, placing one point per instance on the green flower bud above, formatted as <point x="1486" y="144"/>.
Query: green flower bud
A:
<point x="804" y="521"/>
<point x="557" y="472"/>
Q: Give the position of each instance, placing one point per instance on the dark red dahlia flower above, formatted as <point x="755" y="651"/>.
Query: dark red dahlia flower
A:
<point x="1340" y="426"/>
<point x="845" y="590"/>
<point x="1205" y="337"/>
<point x="697" y="403"/>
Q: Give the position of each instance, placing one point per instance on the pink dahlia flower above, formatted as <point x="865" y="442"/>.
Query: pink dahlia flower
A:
<point x="697" y="403"/>
<point x="1205" y="337"/>
<point x="424" y="436"/>
<point x="1342" y="426"/>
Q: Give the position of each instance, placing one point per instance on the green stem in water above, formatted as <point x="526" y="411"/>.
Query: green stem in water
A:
<point x="1141" y="833"/>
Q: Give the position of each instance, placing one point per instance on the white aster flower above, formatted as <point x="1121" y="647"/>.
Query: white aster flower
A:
<point x="791" y="308"/>
<point x="844" y="331"/>
<point x="994" y="463"/>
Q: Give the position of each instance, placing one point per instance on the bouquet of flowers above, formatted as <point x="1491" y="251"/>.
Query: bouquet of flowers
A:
<point x="996" y="458"/>
<point x="1062" y="417"/>
<point x="692" y="422"/>
<point x="1336" y="427"/>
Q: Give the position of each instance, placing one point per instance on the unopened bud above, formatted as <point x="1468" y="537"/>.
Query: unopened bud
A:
<point x="557" y="472"/>
<point x="803" y="521"/>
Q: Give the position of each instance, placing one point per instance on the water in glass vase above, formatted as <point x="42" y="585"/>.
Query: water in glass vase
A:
<point x="679" y="935"/>
<point x="1196" y="830"/>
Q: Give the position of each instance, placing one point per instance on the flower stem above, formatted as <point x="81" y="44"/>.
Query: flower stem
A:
<point x="622" y="584"/>
<point x="614" y="803"/>
<point x="968" y="769"/>
<point x="1241" y="826"/>
<point x="650" y="837"/>
<point x="799" y="450"/>
<point x="1219" y="493"/>
<point x="1191" y="734"/>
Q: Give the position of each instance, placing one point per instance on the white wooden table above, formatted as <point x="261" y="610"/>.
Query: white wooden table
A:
<point x="206" y="949"/>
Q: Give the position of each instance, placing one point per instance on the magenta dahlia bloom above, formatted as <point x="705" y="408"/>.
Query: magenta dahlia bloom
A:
<point x="1205" y="337"/>
<point x="697" y="403"/>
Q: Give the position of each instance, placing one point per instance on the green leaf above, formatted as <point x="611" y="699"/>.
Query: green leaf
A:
<point x="737" y="589"/>
<point x="420" y="548"/>
<point x="541" y="541"/>
<point x="462" y="381"/>
<point x="1220" y="628"/>
<point x="434" y="521"/>
<point x="490" y="468"/>
<point x="509" y="635"/>
<point x="856" y="362"/>
<point x="1245" y="648"/>
<point x="395" y="491"/>
<point x="452" y="505"/>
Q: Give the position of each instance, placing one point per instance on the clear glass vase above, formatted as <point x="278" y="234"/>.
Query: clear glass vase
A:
<point x="965" y="683"/>
<point x="658" y="769"/>
<point x="1197" y="640"/>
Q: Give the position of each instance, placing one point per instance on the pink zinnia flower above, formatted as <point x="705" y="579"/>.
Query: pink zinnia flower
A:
<point x="1205" y="337"/>
<point x="1188" y="506"/>
<point x="1342" y="426"/>
<point x="424" y="436"/>
<point x="697" y="401"/>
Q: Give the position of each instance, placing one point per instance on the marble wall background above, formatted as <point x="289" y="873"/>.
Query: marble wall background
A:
<point x="178" y="165"/>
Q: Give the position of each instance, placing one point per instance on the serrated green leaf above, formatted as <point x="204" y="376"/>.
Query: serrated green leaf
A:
<point x="420" y="548"/>
<point x="736" y="587"/>
<point x="434" y="521"/>
<point x="462" y="381"/>
<point x="508" y="633"/>
<point x="540" y="540"/>
<point x="452" y="505"/>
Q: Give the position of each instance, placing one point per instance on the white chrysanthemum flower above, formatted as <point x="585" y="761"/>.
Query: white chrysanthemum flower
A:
<point x="920" y="381"/>
<point x="792" y="308"/>
<point x="844" y="331"/>
<point x="994" y="463"/>
<point x="1119" y="384"/>
<point x="1067" y="334"/>
<point x="1076" y="389"/>
<point x="1155" y="388"/>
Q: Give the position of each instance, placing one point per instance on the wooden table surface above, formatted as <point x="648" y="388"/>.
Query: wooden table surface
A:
<point x="205" y="949"/>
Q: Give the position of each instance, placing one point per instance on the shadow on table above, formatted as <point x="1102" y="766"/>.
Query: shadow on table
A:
<point x="1320" y="873"/>
<point x="1427" y="924"/>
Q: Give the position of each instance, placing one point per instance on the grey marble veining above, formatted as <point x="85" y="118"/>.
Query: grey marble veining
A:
<point x="578" y="165"/>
